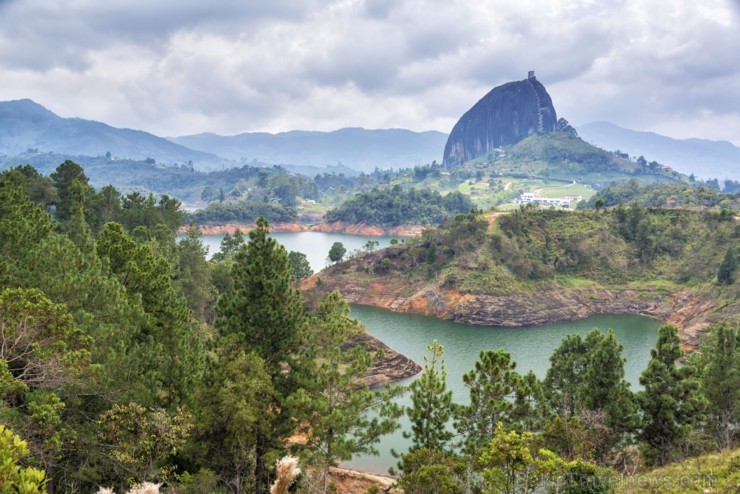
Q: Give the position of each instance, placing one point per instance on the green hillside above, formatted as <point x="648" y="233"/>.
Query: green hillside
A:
<point x="537" y="254"/>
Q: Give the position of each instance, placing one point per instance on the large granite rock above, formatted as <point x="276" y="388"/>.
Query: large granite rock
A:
<point x="506" y="115"/>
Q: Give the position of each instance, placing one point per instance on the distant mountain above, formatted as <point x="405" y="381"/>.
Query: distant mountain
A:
<point x="357" y="148"/>
<point x="26" y="125"/>
<point x="504" y="116"/>
<point x="703" y="158"/>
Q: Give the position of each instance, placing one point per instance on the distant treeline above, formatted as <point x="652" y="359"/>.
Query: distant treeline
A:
<point x="672" y="195"/>
<point x="395" y="206"/>
<point x="244" y="212"/>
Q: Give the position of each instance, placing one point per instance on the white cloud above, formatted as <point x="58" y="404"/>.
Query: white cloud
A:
<point x="176" y="67"/>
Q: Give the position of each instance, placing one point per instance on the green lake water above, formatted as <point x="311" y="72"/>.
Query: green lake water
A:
<point x="315" y="245"/>
<point x="409" y="334"/>
<point x="530" y="348"/>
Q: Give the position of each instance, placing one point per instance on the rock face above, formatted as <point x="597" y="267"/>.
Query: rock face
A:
<point x="506" y="115"/>
<point x="691" y="312"/>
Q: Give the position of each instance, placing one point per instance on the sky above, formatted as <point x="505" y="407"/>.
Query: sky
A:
<point x="178" y="67"/>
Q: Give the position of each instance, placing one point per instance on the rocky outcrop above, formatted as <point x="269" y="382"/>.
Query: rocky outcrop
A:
<point x="231" y="228"/>
<point x="690" y="311"/>
<point x="504" y="116"/>
<point x="361" y="229"/>
<point x="354" y="482"/>
<point x="368" y="230"/>
<point x="390" y="368"/>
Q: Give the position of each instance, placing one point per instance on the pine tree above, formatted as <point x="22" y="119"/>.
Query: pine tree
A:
<point x="720" y="383"/>
<point x="493" y="385"/>
<point x="604" y="387"/>
<point x="264" y="311"/>
<point x="73" y="188"/>
<point x="335" y="401"/>
<point x="432" y="405"/>
<point x="169" y="330"/>
<point x="337" y="251"/>
<point x="565" y="376"/>
<point x="726" y="272"/>
<point x="299" y="265"/>
<point x="193" y="274"/>
<point x="670" y="403"/>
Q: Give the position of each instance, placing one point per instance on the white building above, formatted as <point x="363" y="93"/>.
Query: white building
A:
<point x="532" y="198"/>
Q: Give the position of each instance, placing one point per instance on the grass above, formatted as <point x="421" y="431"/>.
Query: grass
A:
<point x="574" y="282"/>
<point x="715" y="473"/>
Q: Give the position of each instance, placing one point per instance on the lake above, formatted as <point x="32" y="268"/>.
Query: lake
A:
<point x="530" y="348"/>
<point x="315" y="245"/>
<point x="410" y="334"/>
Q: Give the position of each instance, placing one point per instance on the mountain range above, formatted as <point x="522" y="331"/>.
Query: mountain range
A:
<point x="705" y="159"/>
<point x="358" y="148"/>
<point x="26" y="125"/>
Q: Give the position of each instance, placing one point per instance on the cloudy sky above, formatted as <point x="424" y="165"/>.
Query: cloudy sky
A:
<point x="175" y="67"/>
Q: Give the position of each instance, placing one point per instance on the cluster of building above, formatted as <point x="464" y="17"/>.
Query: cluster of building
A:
<point x="563" y="202"/>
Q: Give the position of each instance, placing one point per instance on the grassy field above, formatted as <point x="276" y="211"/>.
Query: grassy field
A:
<point x="716" y="473"/>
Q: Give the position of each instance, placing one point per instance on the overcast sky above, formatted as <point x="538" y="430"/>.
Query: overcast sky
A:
<point x="175" y="67"/>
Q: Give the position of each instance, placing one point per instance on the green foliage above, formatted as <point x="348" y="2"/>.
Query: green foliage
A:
<point x="511" y="464"/>
<point x="22" y="224"/>
<point x="143" y="441"/>
<point x="193" y="274"/>
<point x="431" y="472"/>
<point x="493" y="385"/>
<point x="670" y="404"/>
<point x="337" y="251"/>
<point x="245" y="212"/>
<point x="14" y="478"/>
<point x="73" y="189"/>
<point x="726" y="272"/>
<point x="672" y="195"/>
<point x="264" y="312"/>
<point x="39" y="341"/>
<point x="299" y="265"/>
<point x="169" y="329"/>
<point x="431" y="404"/>
<point x="145" y="211"/>
<point x="586" y="388"/>
<point x="396" y="206"/>
<point x="264" y="309"/>
<point x="720" y="382"/>
<point x="562" y="155"/>
<point x="236" y="407"/>
<point x="343" y="417"/>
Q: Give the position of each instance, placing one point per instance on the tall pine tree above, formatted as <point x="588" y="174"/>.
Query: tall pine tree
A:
<point x="493" y="385"/>
<point x="336" y="402"/>
<point x="670" y="403"/>
<point x="720" y="383"/>
<point x="264" y="311"/>
<point x="432" y="405"/>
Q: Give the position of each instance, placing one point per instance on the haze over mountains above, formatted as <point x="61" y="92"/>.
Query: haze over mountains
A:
<point x="358" y="148"/>
<point x="26" y="125"/>
<point x="703" y="158"/>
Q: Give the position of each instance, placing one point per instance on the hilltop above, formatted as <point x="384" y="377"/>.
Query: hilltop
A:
<point x="702" y="157"/>
<point x="26" y="125"/>
<point x="357" y="148"/>
<point x="503" y="117"/>
<point x="537" y="266"/>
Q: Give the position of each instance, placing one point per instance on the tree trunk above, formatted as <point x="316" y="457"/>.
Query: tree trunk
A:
<point x="259" y="467"/>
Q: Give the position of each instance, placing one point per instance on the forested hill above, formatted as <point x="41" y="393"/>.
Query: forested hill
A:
<point x="689" y="195"/>
<point x="396" y="206"/>
<point x="535" y="266"/>
<point x="25" y="125"/>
